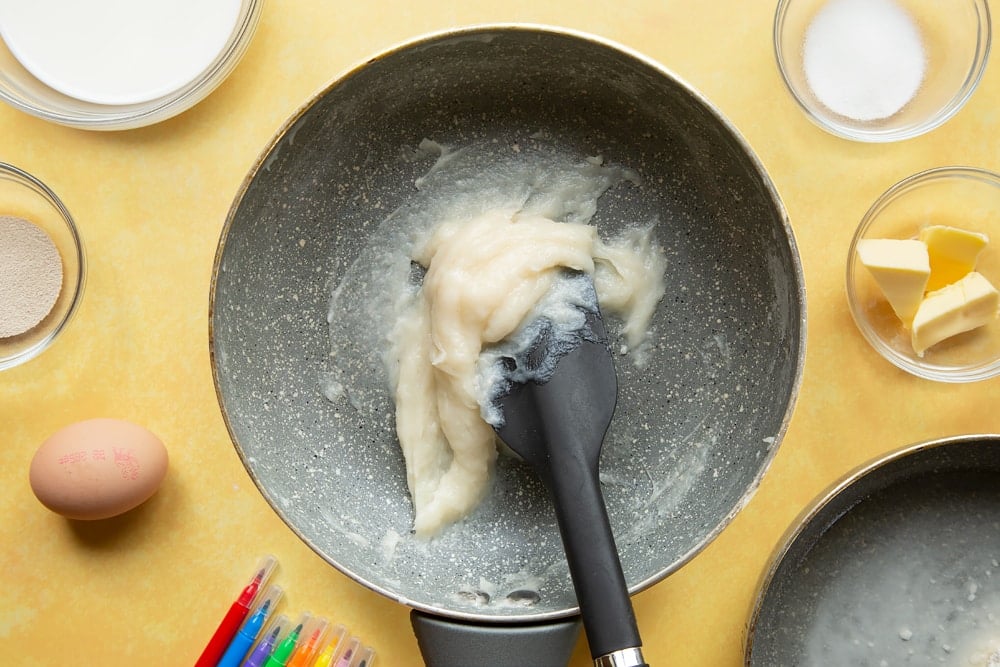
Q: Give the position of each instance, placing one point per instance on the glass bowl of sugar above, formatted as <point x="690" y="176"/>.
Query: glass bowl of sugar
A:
<point x="119" y="64"/>
<point x="881" y="70"/>
<point x="42" y="266"/>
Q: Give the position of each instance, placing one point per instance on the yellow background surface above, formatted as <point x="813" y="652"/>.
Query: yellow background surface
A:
<point x="149" y="587"/>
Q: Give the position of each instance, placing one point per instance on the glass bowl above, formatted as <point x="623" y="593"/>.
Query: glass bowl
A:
<point x="956" y="43"/>
<point x="24" y="196"/>
<point x="962" y="197"/>
<point x="22" y="90"/>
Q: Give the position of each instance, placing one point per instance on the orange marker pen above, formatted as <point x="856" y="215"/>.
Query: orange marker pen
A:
<point x="307" y="650"/>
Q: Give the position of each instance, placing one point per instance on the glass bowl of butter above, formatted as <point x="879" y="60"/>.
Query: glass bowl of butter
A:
<point x="923" y="274"/>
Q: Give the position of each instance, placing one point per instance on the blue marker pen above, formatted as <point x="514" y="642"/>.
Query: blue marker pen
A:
<point x="240" y="646"/>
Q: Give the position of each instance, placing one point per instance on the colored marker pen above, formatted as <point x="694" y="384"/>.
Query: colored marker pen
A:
<point x="240" y="646"/>
<point x="347" y="657"/>
<point x="325" y="658"/>
<point x="266" y="645"/>
<point x="307" y="650"/>
<point x="367" y="657"/>
<point x="284" y="650"/>
<point x="234" y="617"/>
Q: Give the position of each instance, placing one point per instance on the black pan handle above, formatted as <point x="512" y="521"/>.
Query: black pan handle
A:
<point x="447" y="642"/>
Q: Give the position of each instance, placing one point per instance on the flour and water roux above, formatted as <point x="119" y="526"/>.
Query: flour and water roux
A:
<point x="457" y="277"/>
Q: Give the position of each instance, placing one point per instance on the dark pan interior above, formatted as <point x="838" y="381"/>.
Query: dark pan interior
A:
<point x="694" y="431"/>
<point x="900" y="567"/>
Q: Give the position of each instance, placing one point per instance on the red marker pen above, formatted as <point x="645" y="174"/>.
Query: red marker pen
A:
<point x="237" y="613"/>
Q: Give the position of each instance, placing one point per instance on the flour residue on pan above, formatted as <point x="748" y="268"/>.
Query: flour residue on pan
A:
<point x="520" y="215"/>
<point x="662" y="484"/>
<point x="461" y="183"/>
<point x="908" y="575"/>
<point x="530" y="178"/>
<point x="492" y="285"/>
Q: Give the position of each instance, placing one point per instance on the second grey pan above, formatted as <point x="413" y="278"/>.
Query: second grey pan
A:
<point x="897" y="564"/>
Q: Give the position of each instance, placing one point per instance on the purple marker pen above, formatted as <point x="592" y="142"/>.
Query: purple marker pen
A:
<point x="266" y="645"/>
<point x="346" y="659"/>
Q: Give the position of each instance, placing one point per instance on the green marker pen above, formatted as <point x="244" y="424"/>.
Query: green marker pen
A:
<point x="284" y="650"/>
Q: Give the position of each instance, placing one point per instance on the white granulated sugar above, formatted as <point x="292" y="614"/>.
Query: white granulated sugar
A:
<point x="863" y="59"/>
<point x="30" y="275"/>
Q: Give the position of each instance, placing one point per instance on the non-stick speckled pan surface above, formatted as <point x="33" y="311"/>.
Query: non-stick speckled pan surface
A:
<point x="896" y="564"/>
<point x="694" y="431"/>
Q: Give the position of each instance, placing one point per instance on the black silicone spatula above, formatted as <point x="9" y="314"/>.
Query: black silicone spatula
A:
<point x="558" y="427"/>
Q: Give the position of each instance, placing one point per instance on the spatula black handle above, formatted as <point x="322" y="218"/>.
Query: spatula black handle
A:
<point x="606" y="609"/>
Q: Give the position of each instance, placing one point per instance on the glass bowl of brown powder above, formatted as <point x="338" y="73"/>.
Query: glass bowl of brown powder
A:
<point x="42" y="266"/>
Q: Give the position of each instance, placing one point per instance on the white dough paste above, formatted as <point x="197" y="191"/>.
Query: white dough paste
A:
<point x="492" y="223"/>
<point x="484" y="278"/>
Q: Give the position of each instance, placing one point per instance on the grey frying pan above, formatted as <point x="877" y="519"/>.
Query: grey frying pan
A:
<point x="694" y="430"/>
<point x="898" y="563"/>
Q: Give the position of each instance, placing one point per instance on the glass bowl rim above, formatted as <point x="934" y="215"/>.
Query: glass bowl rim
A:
<point x="27" y="180"/>
<point x="111" y="117"/>
<point x="970" y="373"/>
<point x="875" y="135"/>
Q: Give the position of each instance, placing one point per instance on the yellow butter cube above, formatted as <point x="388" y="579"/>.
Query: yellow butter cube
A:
<point x="952" y="252"/>
<point x="901" y="269"/>
<point x="962" y="306"/>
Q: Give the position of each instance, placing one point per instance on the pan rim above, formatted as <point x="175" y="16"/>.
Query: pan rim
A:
<point x="768" y="186"/>
<point x="815" y="507"/>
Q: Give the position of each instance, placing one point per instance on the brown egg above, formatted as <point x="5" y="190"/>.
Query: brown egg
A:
<point x="98" y="468"/>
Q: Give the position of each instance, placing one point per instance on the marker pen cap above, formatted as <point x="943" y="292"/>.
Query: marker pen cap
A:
<point x="273" y="594"/>
<point x="310" y="642"/>
<point x="345" y="658"/>
<point x="268" y="640"/>
<point x="281" y="623"/>
<point x="333" y="644"/>
<point x="366" y="657"/>
<point x="265" y="568"/>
